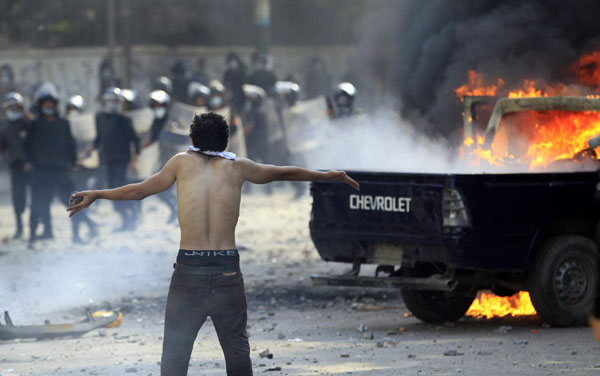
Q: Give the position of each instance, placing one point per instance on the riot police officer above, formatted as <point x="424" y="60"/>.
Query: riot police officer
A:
<point x="160" y="103"/>
<point x="12" y="140"/>
<point x="180" y="80"/>
<point x="343" y="98"/>
<point x="234" y="80"/>
<point x="51" y="154"/>
<point x="114" y="138"/>
<point x="255" y="125"/>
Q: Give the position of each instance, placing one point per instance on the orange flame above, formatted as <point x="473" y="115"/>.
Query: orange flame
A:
<point x="551" y="135"/>
<point x="476" y="86"/>
<point x="488" y="305"/>
<point x="536" y="139"/>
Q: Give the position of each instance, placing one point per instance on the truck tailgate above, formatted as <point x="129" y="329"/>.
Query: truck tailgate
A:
<point x="403" y="208"/>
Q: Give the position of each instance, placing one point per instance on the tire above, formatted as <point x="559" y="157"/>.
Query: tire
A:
<point x="437" y="307"/>
<point x="562" y="280"/>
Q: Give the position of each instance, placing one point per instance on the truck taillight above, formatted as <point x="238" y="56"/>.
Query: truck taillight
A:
<point x="455" y="212"/>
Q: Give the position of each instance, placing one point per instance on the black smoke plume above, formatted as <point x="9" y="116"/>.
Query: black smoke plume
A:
<point x="420" y="51"/>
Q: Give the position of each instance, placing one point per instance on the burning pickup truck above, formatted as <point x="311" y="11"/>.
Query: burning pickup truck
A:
<point x="441" y="238"/>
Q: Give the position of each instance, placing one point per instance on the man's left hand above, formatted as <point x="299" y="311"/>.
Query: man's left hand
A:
<point x="342" y="176"/>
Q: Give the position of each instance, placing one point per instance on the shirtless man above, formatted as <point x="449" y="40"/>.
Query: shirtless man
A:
<point x="207" y="280"/>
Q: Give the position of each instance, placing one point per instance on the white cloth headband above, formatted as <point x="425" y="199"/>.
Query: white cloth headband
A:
<point x="222" y="154"/>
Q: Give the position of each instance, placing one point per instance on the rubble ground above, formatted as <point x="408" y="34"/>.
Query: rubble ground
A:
<point x="308" y="330"/>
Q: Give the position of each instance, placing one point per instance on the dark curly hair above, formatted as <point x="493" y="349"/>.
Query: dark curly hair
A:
<point x="209" y="132"/>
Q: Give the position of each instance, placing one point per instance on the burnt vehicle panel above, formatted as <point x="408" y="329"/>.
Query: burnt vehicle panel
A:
<point x="442" y="237"/>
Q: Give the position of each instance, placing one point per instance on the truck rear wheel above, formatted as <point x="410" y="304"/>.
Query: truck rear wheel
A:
<point x="436" y="306"/>
<point x="562" y="280"/>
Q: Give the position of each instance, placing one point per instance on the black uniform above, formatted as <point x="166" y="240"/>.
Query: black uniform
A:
<point x="50" y="147"/>
<point x="157" y="127"/>
<point x="12" y="140"/>
<point x="263" y="78"/>
<point x="114" y="139"/>
<point x="234" y="80"/>
<point x="168" y="196"/>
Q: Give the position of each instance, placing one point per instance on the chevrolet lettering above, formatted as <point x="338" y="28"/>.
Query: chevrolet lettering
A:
<point x="381" y="203"/>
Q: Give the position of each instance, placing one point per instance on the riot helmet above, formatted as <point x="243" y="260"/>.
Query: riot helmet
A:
<point x="217" y="95"/>
<point x="255" y="96"/>
<point x="129" y="98"/>
<point x="198" y="94"/>
<point x="76" y="103"/>
<point x="13" y="99"/>
<point x="288" y="91"/>
<point x="112" y="100"/>
<point x="163" y="83"/>
<point x="344" y="98"/>
<point x="159" y="103"/>
<point x="13" y="104"/>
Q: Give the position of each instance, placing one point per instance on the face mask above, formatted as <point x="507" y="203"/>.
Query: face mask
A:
<point x="233" y="64"/>
<point x="216" y="102"/>
<point x="48" y="111"/>
<point x="112" y="108"/>
<point x="160" y="112"/>
<point x="13" y="115"/>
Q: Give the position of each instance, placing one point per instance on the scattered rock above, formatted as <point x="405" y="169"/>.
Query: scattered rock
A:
<point x="411" y="356"/>
<point x="272" y="369"/>
<point x="504" y="329"/>
<point x="265" y="354"/>
<point x="101" y="332"/>
<point x="372" y="307"/>
<point x="452" y="353"/>
<point x="367" y="336"/>
<point x="131" y="370"/>
<point x="362" y="328"/>
<point x="345" y="355"/>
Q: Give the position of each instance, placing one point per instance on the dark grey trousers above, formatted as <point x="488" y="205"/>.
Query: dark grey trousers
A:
<point x="192" y="298"/>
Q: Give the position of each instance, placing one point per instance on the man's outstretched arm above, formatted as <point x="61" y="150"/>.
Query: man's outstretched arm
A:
<point x="157" y="183"/>
<point x="265" y="173"/>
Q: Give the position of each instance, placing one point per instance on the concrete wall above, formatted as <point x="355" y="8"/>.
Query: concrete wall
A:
<point x="75" y="70"/>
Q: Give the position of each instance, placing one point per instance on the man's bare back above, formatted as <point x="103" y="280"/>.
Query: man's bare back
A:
<point x="208" y="193"/>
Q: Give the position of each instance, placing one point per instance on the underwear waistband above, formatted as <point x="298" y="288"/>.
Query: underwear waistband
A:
<point x="208" y="257"/>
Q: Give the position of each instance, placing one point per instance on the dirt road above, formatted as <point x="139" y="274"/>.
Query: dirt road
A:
<point x="309" y="330"/>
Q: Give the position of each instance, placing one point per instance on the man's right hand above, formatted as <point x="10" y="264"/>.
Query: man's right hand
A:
<point x="28" y="167"/>
<point x="80" y="201"/>
<point x="342" y="176"/>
